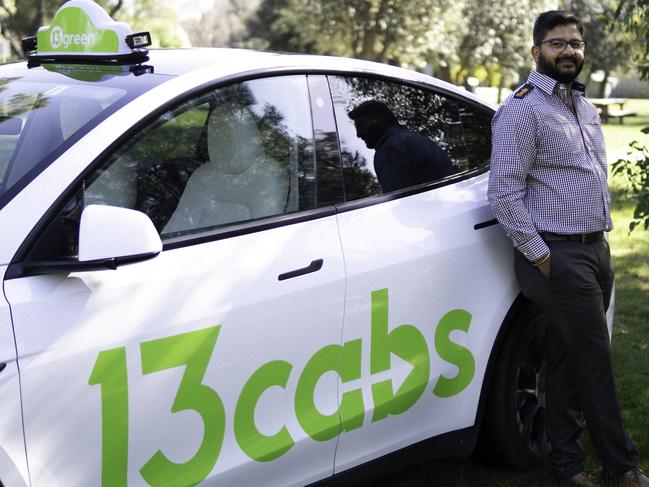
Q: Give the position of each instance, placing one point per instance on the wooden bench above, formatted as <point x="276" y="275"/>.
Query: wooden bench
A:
<point x="620" y="114"/>
<point x="604" y="107"/>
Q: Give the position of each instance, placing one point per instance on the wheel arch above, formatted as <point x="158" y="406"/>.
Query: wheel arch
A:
<point x="519" y="308"/>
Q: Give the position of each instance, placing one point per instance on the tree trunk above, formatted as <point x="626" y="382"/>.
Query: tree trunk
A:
<point x="501" y="83"/>
<point x="116" y="8"/>
<point x="443" y="73"/>
<point x="39" y="17"/>
<point x="602" y="86"/>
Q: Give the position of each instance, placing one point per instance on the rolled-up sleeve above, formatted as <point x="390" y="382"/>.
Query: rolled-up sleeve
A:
<point x="514" y="148"/>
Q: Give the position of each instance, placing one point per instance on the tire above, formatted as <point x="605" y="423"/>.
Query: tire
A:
<point x="513" y="428"/>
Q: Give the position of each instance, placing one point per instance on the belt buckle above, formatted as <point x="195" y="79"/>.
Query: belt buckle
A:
<point x="584" y="238"/>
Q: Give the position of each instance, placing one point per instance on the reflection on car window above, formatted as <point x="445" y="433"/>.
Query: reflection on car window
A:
<point x="402" y="157"/>
<point x="454" y="137"/>
<point x="46" y="109"/>
<point x="36" y="118"/>
<point x="236" y="154"/>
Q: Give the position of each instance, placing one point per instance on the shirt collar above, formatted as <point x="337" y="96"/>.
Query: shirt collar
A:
<point x="549" y="85"/>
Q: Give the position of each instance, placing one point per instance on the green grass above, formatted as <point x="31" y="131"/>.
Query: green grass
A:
<point x="630" y="343"/>
<point x="618" y="136"/>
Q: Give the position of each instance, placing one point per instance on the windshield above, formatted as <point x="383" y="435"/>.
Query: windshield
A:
<point x="44" y="110"/>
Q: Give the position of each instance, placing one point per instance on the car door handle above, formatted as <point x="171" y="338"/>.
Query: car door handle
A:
<point x="314" y="266"/>
<point x="2" y="366"/>
<point x="485" y="224"/>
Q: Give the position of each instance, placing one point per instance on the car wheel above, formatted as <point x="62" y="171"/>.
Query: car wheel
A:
<point x="513" y="431"/>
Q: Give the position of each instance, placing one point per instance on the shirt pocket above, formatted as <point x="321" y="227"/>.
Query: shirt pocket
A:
<point x="560" y="139"/>
<point x="595" y="136"/>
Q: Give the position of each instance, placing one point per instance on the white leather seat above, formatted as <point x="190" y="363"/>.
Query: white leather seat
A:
<point x="238" y="183"/>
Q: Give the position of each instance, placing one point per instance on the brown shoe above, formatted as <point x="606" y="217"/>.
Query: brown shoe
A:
<point x="633" y="478"/>
<point x="584" y="479"/>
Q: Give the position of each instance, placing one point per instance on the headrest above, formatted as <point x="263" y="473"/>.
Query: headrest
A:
<point x="233" y="139"/>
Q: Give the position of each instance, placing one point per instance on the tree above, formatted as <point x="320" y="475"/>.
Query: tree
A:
<point x="378" y="30"/>
<point x="274" y="27"/>
<point x="634" y="18"/>
<point x="607" y="49"/>
<point x="634" y="15"/>
<point x="156" y="17"/>
<point x="222" y="25"/>
<point x="494" y="35"/>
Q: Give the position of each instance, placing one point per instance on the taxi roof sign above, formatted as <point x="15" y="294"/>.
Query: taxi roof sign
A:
<point x="81" y="29"/>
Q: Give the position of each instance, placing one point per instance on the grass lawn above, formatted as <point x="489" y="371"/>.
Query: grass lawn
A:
<point x="630" y="342"/>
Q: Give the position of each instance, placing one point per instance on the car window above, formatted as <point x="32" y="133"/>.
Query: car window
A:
<point x="433" y="135"/>
<point x="239" y="153"/>
<point x="236" y="154"/>
<point x="45" y="109"/>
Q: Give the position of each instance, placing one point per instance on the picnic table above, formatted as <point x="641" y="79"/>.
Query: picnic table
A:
<point x="604" y="107"/>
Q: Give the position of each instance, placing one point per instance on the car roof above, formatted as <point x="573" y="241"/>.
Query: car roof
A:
<point x="175" y="62"/>
<point x="226" y="62"/>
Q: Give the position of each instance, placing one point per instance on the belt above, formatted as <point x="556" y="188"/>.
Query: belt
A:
<point x="577" y="237"/>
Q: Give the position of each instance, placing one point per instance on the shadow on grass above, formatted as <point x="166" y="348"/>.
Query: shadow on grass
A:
<point x="466" y="473"/>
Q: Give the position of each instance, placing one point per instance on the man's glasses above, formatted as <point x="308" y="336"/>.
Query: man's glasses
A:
<point x="560" y="44"/>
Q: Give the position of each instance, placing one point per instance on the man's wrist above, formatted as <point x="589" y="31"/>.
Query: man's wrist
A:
<point x="533" y="249"/>
<point x="541" y="260"/>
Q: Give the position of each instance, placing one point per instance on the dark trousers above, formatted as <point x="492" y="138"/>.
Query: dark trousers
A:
<point x="579" y="376"/>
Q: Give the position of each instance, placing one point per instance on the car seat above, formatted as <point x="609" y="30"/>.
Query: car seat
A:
<point x="238" y="182"/>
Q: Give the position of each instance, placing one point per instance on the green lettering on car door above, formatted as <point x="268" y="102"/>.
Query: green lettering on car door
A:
<point x="407" y="343"/>
<point x="192" y="350"/>
<point x="453" y="353"/>
<point x="252" y="442"/>
<point x="110" y="372"/>
<point x="346" y="361"/>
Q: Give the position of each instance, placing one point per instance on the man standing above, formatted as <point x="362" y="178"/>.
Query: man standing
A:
<point x="548" y="188"/>
<point x="403" y="158"/>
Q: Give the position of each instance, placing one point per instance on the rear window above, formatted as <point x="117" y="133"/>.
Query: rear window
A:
<point x="43" y="110"/>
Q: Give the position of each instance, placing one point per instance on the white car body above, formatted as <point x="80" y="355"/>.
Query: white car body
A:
<point x="433" y="255"/>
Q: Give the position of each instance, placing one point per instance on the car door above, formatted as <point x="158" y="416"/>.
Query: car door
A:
<point x="425" y="287"/>
<point x="13" y="464"/>
<point x="205" y="363"/>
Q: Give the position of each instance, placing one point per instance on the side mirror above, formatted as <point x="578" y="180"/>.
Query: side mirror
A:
<point x="111" y="233"/>
<point x="109" y="236"/>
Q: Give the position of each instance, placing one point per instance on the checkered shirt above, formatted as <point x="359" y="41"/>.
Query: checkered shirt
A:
<point x="548" y="166"/>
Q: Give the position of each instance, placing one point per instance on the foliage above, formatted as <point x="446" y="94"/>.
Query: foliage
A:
<point x="607" y="44"/>
<point x="636" y="171"/>
<point x="498" y="36"/>
<point x="378" y="30"/>
<point x="453" y="39"/>
<point x="634" y="15"/>
<point x="156" y="17"/>
<point x="223" y="25"/>
<point x="274" y="27"/>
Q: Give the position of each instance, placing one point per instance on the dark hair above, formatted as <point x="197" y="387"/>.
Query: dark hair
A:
<point x="374" y="110"/>
<point x="547" y="21"/>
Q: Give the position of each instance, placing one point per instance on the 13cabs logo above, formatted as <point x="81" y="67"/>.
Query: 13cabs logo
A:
<point x="193" y="350"/>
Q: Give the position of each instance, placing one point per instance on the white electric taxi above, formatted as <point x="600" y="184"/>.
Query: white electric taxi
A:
<point x="203" y="282"/>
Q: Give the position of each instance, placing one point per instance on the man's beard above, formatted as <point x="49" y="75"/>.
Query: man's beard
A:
<point x="551" y="69"/>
